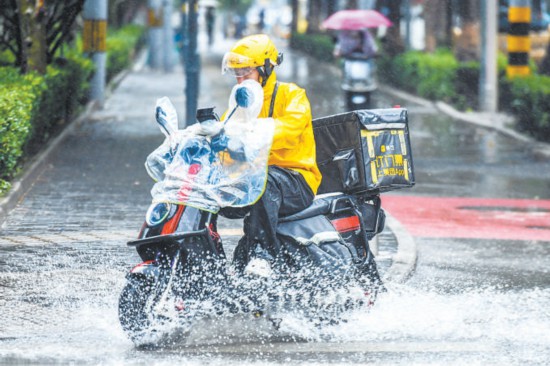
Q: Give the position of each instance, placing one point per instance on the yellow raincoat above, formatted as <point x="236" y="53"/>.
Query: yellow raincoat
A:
<point x="293" y="143"/>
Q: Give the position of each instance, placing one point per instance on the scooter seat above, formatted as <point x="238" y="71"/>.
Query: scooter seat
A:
<point x="322" y="205"/>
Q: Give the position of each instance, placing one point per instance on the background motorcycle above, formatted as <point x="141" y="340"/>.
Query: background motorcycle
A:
<point x="359" y="81"/>
<point x="185" y="276"/>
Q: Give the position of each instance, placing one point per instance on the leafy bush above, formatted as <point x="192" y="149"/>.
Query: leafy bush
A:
<point x="319" y="46"/>
<point x="400" y="71"/>
<point x="121" y="47"/>
<point x="429" y="75"/>
<point x="66" y="84"/>
<point x="466" y="94"/>
<point x="34" y="107"/>
<point x="466" y="83"/>
<point x="6" y="58"/>
<point x="530" y="103"/>
<point x="79" y="70"/>
<point x="18" y="99"/>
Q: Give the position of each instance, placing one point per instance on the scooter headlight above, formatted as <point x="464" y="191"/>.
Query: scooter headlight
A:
<point x="157" y="213"/>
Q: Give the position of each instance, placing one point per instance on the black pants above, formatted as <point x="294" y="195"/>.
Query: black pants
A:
<point x="286" y="193"/>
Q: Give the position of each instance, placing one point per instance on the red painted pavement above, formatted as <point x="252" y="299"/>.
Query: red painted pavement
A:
<point x="482" y="218"/>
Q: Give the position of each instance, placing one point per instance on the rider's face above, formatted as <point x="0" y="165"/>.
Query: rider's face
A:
<point x="254" y="75"/>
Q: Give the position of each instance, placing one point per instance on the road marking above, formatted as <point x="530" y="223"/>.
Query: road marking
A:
<point x="481" y="218"/>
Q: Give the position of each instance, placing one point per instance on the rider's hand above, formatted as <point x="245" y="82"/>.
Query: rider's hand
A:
<point x="244" y="97"/>
<point x="236" y="149"/>
<point x="219" y="142"/>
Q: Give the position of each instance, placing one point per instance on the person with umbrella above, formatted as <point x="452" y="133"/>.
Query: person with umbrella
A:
<point x="357" y="47"/>
<point x="354" y="36"/>
<point x="355" y="43"/>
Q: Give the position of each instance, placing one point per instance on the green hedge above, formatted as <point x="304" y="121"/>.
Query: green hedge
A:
<point x="66" y="84"/>
<point x="530" y="103"/>
<point x="34" y="106"/>
<point x="19" y="96"/>
<point x="121" y="47"/>
<point x="431" y="76"/>
<point x="319" y="46"/>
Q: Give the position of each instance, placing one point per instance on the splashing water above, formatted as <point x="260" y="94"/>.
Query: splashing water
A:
<point x="64" y="309"/>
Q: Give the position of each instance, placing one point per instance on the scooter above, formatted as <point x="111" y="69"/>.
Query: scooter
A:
<point x="359" y="81"/>
<point x="185" y="275"/>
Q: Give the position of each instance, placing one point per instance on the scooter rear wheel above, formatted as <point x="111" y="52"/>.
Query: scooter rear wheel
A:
<point x="358" y="100"/>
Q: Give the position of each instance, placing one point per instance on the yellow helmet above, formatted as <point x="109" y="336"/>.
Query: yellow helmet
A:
<point x="252" y="52"/>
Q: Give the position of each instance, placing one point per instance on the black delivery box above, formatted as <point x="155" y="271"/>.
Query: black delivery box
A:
<point x="366" y="150"/>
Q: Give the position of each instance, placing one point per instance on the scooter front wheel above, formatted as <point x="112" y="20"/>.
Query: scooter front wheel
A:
<point x="132" y="308"/>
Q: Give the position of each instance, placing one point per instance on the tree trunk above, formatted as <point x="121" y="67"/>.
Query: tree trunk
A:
<point x="314" y="16"/>
<point x="122" y="12"/>
<point x="394" y="44"/>
<point x="114" y="13"/>
<point x="545" y="64"/>
<point x="352" y="4"/>
<point x="467" y="44"/>
<point x="33" y="30"/>
<point x="295" y="14"/>
<point x="450" y="8"/>
<point x="16" y="30"/>
<point x="437" y="27"/>
<point x="331" y="7"/>
<point x="430" y="21"/>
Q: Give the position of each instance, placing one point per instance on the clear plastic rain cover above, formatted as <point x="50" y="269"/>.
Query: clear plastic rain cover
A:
<point x="213" y="164"/>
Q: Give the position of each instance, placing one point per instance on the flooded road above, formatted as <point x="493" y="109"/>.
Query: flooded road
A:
<point x="61" y="300"/>
<point x="475" y="300"/>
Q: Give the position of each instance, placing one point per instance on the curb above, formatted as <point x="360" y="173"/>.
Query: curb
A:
<point x="404" y="261"/>
<point x="404" y="95"/>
